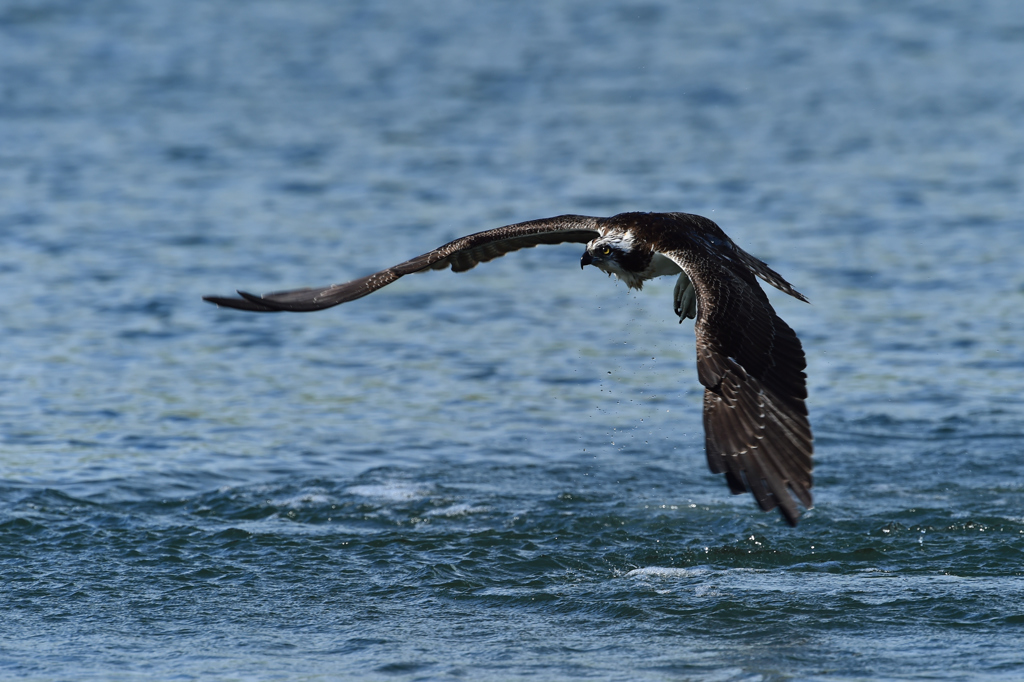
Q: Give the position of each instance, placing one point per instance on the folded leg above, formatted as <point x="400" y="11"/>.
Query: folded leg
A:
<point x="685" y="298"/>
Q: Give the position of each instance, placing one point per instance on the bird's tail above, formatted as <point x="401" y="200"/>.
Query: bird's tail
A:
<point x="761" y="269"/>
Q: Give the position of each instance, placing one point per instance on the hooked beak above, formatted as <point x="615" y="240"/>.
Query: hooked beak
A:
<point x="586" y="260"/>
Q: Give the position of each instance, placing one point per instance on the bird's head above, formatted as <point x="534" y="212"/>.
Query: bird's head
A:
<point x="617" y="255"/>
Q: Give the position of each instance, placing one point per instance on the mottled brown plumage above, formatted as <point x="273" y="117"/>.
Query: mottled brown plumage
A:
<point x="749" y="361"/>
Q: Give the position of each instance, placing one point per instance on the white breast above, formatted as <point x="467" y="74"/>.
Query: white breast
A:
<point x="661" y="266"/>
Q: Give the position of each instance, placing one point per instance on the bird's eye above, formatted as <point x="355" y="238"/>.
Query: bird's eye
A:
<point x="606" y="250"/>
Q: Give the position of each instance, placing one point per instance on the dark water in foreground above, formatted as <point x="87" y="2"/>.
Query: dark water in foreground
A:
<point x="500" y="474"/>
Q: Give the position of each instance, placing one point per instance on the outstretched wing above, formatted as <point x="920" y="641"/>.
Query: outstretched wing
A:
<point x="460" y="255"/>
<point x="752" y="366"/>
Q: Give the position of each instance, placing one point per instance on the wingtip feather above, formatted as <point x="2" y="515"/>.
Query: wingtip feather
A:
<point x="249" y="303"/>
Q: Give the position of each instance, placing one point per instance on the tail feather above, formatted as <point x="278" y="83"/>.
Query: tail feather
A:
<point x="761" y="269"/>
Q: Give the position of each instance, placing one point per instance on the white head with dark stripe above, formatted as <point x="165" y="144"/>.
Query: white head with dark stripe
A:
<point x="618" y="253"/>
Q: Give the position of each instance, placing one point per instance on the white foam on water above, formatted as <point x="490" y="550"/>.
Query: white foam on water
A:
<point x="394" y="492"/>
<point x="462" y="509"/>
<point x="316" y="497"/>
<point x="664" y="572"/>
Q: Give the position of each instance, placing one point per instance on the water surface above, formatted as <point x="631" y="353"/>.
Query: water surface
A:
<point x="500" y="474"/>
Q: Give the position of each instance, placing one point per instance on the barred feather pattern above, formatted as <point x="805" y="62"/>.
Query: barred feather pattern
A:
<point x="751" y="365"/>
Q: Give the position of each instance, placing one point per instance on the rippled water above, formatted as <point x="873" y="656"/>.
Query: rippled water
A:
<point x="500" y="474"/>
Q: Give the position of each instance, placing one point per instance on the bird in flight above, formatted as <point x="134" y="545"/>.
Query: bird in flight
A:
<point x="749" y="361"/>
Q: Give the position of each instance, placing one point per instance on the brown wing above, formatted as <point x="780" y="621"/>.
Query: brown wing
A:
<point x="461" y="254"/>
<point x="751" y="365"/>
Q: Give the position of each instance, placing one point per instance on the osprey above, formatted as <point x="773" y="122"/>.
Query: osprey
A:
<point x="749" y="361"/>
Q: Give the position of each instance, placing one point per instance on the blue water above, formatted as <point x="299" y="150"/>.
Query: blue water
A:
<point x="500" y="474"/>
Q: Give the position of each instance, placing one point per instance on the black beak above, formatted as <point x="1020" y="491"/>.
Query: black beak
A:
<point x="586" y="260"/>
